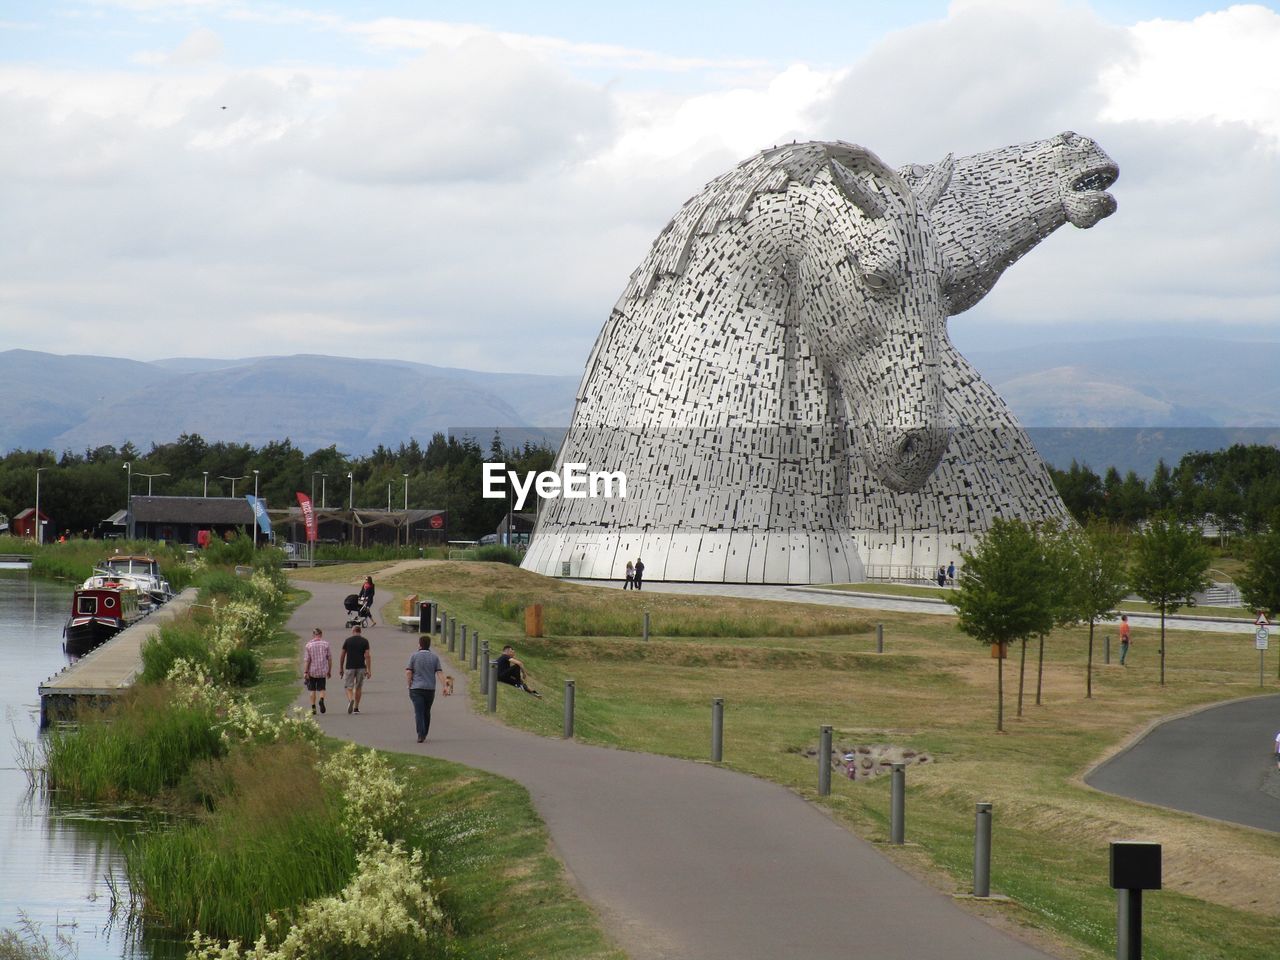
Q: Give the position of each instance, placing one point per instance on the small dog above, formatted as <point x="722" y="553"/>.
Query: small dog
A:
<point x="448" y="685"/>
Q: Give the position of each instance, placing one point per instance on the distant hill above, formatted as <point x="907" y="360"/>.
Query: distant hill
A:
<point x="1122" y="402"/>
<point x="78" y="402"/>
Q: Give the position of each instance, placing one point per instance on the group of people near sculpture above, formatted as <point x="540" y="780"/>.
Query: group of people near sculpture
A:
<point x="424" y="672"/>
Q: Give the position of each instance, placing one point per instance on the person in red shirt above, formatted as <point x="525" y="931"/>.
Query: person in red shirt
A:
<point x="1124" y="638"/>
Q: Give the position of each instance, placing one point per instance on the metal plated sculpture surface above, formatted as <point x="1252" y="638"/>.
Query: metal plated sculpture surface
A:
<point x="777" y="382"/>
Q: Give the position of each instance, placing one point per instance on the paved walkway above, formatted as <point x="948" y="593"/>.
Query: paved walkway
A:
<point x="683" y="861"/>
<point x="862" y="601"/>
<point x="1217" y="762"/>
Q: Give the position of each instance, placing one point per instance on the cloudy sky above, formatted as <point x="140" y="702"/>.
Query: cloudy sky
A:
<point x="470" y="184"/>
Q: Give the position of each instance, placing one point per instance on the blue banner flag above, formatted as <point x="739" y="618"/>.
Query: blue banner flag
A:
<point x="259" y="512"/>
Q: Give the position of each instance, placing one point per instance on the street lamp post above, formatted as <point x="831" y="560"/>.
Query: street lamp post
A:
<point x="39" y="525"/>
<point x="233" y="484"/>
<point x="206" y="483"/>
<point x="255" y="510"/>
<point x="128" y="500"/>
<point x="388" y="496"/>
<point x="351" y="505"/>
<point x="323" y="503"/>
<point x="150" y="477"/>
<point x="406" y="508"/>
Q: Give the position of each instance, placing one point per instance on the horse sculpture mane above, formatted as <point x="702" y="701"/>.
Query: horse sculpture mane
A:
<point x="777" y="383"/>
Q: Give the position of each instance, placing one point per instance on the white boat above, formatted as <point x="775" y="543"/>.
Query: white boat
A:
<point x="138" y="573"/>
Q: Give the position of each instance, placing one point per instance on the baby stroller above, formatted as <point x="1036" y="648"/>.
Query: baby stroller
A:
<point x="357" y="613"/>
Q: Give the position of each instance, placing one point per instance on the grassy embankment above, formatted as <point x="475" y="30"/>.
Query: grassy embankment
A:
<point x="786" y="669"/>
<point x="259" y="824"/>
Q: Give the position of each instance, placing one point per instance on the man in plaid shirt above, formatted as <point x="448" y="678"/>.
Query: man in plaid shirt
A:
<point x="317" y="666"/>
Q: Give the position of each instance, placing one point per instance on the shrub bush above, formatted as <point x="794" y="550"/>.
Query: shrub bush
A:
<point x="497" y="553"/>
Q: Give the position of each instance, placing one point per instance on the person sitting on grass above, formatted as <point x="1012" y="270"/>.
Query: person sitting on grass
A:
<point x="512" y="671"/>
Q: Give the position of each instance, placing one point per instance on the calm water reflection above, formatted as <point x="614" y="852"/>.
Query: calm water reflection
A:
<point x="54" y="859"/>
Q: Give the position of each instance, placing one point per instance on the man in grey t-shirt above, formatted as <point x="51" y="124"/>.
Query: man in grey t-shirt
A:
<point x="422" y="674"/>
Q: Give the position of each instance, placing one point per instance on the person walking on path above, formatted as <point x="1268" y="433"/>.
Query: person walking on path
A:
<point x="639" y="577"/>
<point x="355" y="663"/>
<point x="951" y="572"/>
<point x="317" y="666"/>
<point x="366" y="598"/>
<point x="631" y="576"/>
<point x="1124" y="638"/>
<point x="422" y="675"/>
<point x="942" y="576"/>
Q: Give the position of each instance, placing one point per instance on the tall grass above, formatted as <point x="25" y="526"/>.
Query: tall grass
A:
<point x="273" y="840"/>
<point x="348" y="553"/>
<point x="138" y="747"/>
<point x="179" y="639"/>
<point x="616" y="620"/>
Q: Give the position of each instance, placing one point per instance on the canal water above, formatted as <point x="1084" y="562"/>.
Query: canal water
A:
<point x="55" y="860"/>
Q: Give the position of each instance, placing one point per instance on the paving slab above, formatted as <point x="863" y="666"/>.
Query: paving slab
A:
<point x="682" y="860"/>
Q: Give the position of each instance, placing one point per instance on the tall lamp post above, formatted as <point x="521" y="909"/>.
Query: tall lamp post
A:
<point x="256" y="509"/>
<point x="206" y="483"/>
<point x="39" y="525"/>
<point x="150" y="477"/>
<point x="323" y="502"/>
<point x="406" y="508"/>
<point x="388" y="496"/>
<point x="233" y="484"/>
<point x="351" y="505"/>
<point x="128" y="500"/>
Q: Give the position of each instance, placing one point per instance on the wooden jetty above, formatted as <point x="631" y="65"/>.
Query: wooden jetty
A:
<point x="108" y="670"/>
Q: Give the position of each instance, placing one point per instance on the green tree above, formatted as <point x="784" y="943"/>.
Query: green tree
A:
<point x="1169" y="568"/>
<point x="1259" y="583"/>
<point x="1095" y="571"/>
<point x="1000" y="596"/>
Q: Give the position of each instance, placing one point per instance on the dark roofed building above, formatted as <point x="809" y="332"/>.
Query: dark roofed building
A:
<point x="521" y="530"/>
<point x="365" y="527"/>
<point x="182" y="518"/>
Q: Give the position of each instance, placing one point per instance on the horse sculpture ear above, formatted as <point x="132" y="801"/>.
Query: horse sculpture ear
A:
<point x="857" y="191"/>
<point x="930" y="190"/>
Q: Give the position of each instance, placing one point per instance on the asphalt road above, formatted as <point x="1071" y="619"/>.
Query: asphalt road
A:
<point x="1219" y="763"/>
<point x="682" y="860"/>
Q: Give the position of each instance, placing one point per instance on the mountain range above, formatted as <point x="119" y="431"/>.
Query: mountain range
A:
<point x="1118" y="402"/>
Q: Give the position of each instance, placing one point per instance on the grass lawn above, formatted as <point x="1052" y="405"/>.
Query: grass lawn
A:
<point x="933" y="690"/>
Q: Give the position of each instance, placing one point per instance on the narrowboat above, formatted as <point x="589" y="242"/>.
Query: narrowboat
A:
<point x="138" y="573"/>
<point x="97" y="614"/>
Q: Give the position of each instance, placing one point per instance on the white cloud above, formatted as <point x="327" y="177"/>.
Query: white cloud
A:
<point x="1220" y="66"/>
<point x="200" y="45"/>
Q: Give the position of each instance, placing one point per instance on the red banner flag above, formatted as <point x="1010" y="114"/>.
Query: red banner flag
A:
<point x="308" y="516"/>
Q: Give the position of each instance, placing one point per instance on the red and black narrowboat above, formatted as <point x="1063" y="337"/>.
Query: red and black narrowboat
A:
<point x="97" y="614"/>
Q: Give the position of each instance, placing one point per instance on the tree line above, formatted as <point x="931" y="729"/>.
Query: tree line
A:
<point x="80" y="490"/>
<point x="1239" y="488"/>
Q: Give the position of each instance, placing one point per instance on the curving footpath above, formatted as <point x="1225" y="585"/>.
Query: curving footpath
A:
<point x="1217" y="762"/>
<point x="682" y="860"/>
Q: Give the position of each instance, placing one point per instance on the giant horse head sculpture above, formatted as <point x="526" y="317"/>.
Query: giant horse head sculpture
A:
<point x="776" y="380"/>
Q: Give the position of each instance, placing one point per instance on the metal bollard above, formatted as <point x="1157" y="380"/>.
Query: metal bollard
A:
<point x="453" y="632"/>
<point x="824" y="762"/>
<point x="492" y="673"/>
<point x="437" y="624"/>
<point x="1106" y="648"/>
<point x="879" y="638"/>
<point x="646" y="625"/>
<point x="453" y="645"/>
<point x="568" y="709"/>
<point x="897" y="803"/>
<point x="475" y="649"/>
<point x="717" y="729"/>
<point x="484" y="669"/>
<point x="463" y="648"/>
<point x="1135" y="866"/>
<point x="982" y="850"/>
